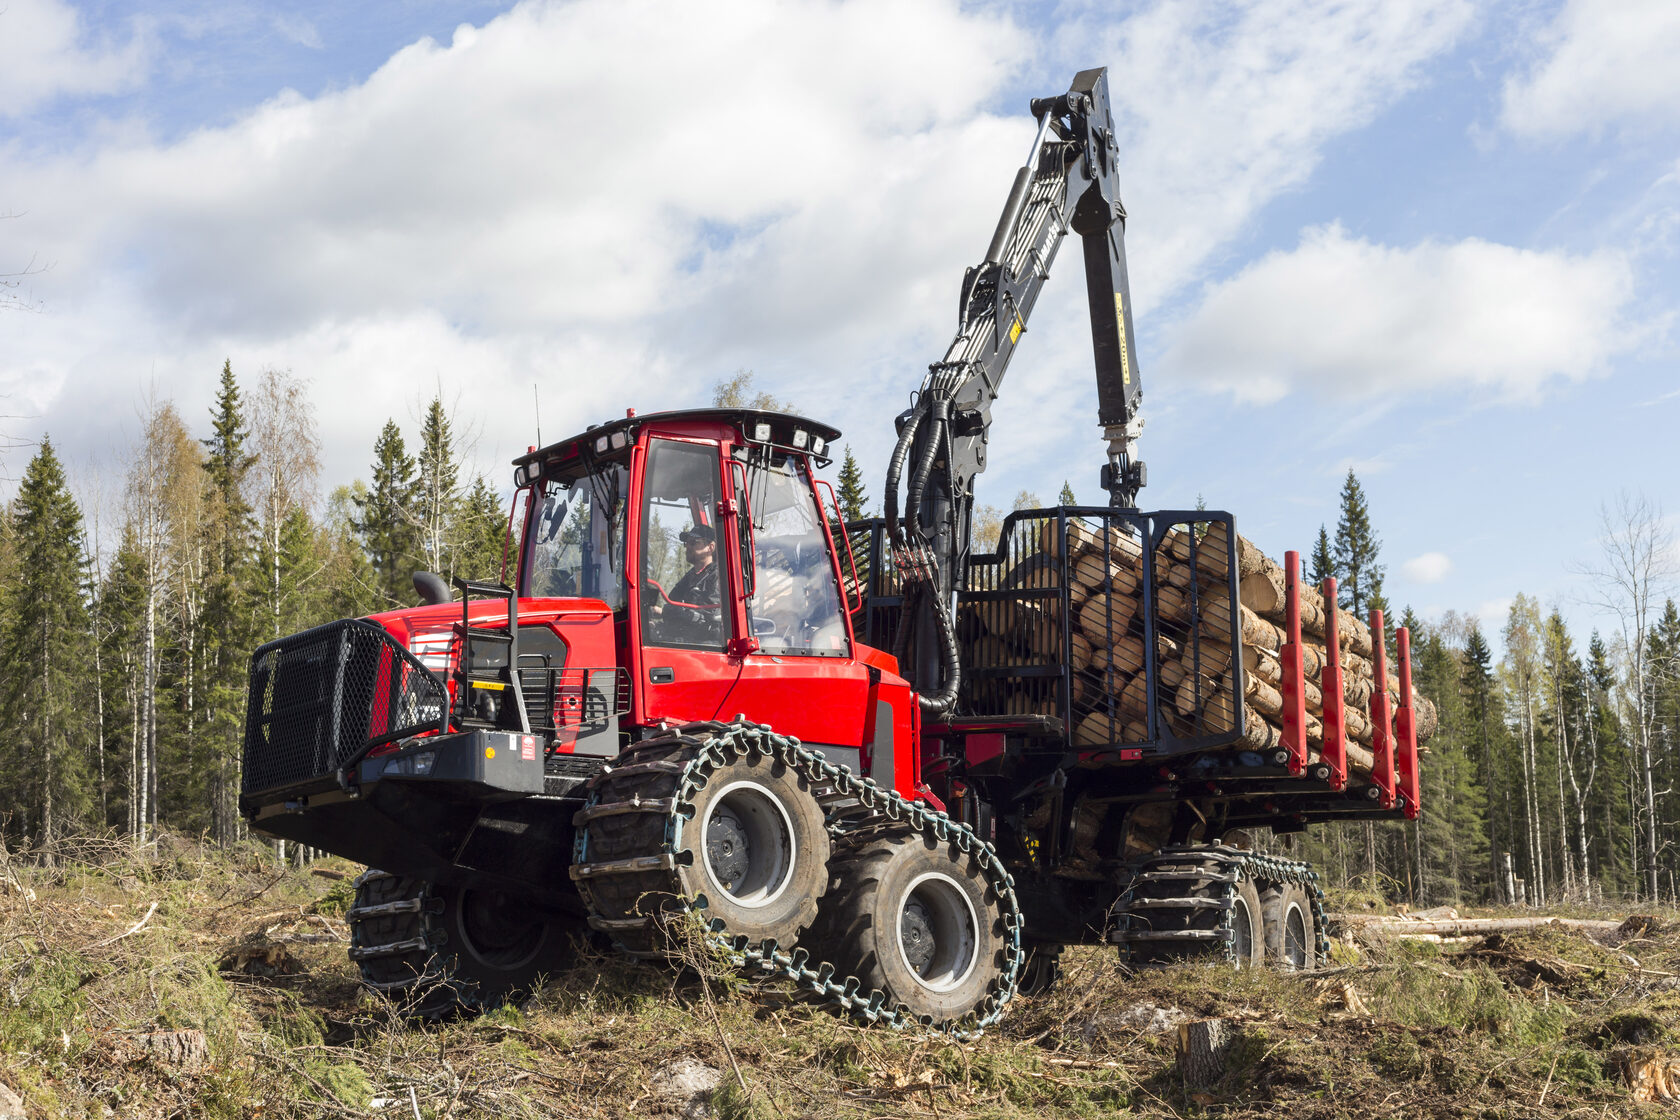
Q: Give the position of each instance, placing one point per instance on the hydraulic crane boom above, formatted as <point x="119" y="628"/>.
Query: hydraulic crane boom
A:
<point x="1069" y="181"/>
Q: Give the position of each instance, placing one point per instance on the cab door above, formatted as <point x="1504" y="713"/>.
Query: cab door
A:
<point x="798" y="673"/>
<point x="682" y="618"/>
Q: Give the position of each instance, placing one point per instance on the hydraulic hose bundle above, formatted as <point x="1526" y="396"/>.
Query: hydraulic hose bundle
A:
<point x="927" y="588"/>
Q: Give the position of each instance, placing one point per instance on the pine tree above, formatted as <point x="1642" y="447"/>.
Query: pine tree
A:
<point x="46" y="654"/>
<point x="385" y="525"/>
<point x="854" y="501"/>
<point x="1356" y="550"/>
<point x="1066" y="498"/>
<point x="437" y="489"/>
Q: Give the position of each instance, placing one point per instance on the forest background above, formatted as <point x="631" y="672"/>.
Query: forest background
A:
<point x="128" y="626"/>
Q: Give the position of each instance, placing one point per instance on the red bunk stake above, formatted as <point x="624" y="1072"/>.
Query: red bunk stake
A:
<point x="1382" y="731"/>
<point x="1294" y="678"/>
<point x="1405" y="729"/>
<point x="1335" y="702"/>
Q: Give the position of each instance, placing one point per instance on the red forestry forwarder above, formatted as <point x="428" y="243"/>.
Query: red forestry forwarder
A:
<point x="682" y="705"/>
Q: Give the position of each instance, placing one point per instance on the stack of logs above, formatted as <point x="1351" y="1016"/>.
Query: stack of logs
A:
<point x="1194" y="629"/>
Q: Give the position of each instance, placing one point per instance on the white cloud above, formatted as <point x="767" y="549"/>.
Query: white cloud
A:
<point x="1431" y="567"/>
<point x="1603" y="62"/>
<point x="299" y="30"/>
<point x="629" y="200"/>
<point x="45" y="53"/>
<point x="1222" y="108"/>
<point x="1492" y="614"/>
<point x="1345" y="317"/>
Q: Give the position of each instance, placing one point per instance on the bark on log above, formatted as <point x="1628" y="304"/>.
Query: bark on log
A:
<point x="1263" y="697"/>
<point x="1085" y="538"/>
<point x="1092" y="573"/>
<point x="1106" y="618"/>
<point x="1464" y="927"/>
<point x="1254" y="630"/>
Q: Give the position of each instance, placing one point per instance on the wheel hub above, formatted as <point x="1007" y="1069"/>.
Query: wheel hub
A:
<point x="938" y="931"/>
<point x="727" y="849"/>
<point x="748" y="842"/>
<point x="915" y="932"/>
<point x="499" y="930"/>
<point x="1295" y="938"/>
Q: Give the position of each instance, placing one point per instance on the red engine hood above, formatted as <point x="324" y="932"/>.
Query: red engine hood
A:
<point x="485" y="612"/>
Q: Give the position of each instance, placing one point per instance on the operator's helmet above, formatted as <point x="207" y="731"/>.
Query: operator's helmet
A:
<point x="698" y="533"/>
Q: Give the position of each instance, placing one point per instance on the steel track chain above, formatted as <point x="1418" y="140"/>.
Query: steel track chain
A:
<point x="1255" y="867"/>
<point x="853" y="802"/>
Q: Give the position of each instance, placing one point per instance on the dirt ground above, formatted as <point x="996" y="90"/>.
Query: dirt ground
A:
<point x="185" y="982"/>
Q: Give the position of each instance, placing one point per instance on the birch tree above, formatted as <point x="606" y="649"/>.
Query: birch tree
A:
<point x="1633" y="575"/>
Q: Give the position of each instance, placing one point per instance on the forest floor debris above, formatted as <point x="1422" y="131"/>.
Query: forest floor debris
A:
<point x="216" y="1010"/>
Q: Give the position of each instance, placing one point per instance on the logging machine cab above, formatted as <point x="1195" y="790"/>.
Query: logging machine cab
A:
<point x="708" y="538"/>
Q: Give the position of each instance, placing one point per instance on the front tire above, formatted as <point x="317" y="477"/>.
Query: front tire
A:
<point x="917" y="921"/>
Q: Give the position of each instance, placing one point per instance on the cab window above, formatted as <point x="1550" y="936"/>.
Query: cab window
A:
<point x="574" y="542"/>
<point x="682" y="582"/>
<point x="794" y="602"/>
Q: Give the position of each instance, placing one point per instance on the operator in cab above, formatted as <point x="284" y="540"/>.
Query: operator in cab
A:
<point x="692" y="612"/>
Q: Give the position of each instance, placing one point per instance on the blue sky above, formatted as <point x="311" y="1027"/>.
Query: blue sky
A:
<point x="1434" y="240"/>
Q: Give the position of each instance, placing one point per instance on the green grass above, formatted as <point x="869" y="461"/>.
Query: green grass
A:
<point x="252" y="956"/>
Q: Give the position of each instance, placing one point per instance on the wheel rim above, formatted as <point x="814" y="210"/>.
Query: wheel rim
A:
<point x="499" y="931"/>
<point x="748" y="843"/>
<point x="938" y="931"/>
<point x="1294" y="937"/>
<point x="1242" y="931"/>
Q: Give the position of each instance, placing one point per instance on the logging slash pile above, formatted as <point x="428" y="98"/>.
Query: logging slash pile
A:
<point x="1194" y="689"/>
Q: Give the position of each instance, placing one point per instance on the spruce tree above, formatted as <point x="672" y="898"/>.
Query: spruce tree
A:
<point x="854" y="500"/>
<point x="1066" y="498"/>
<point x="385" y="522"/>
<point x="46" y="653"/>
<point x="1612" y="841"/>
<point x="1323" y="560"/>
<point x="437" y="489"/>
<point x="1477" y="682"/>
<point x="1356" y="550"/>
<point x="229" y="617"/>
<point x="122" y="610"/>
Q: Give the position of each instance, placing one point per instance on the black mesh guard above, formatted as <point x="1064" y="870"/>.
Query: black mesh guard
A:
<point x="321" y="699"/>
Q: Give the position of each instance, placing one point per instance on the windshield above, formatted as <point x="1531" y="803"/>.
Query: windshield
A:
<point x="574" y="543"/>
<point x="793" y="600"/>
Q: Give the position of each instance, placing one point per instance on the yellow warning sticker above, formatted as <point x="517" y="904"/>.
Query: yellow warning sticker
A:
<point x="1120" y="328"/>
<point x="489" y="752"/>
<point x="1015" y="330"/>
<point x="495" y="686"/>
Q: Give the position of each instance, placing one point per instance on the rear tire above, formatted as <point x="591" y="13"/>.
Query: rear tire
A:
<point x="1042" y="970"/>
<point x="1248" y="926"/>
<point x="441" y="950"/>
<point x="1291" y="936"/>
<point x="917" y="921"/>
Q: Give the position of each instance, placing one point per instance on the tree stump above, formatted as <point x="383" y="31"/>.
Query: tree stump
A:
<point x="1203" y="1046"/>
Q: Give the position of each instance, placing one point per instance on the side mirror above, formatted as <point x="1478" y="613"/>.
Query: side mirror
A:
<point x="431" y="588"/>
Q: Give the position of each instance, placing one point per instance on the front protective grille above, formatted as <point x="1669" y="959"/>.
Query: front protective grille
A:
<point x="321" y="699"/>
